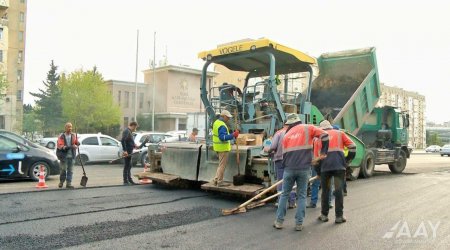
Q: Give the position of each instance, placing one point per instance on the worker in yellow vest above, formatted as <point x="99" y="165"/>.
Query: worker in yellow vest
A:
<point x="222" y="145"/>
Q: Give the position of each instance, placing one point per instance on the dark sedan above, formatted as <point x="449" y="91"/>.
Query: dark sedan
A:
<point x="23" y="160"/>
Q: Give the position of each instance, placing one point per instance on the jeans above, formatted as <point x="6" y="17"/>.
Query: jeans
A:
<point x="127" y="170"/>
<point x="66" y="170"/>
<point x="325" y="178"/>
<point x="315" y="189"/>
<point x="280" y="170"/>
<point x="290" y="178"/>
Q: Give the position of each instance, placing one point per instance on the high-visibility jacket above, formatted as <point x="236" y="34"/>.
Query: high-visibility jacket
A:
<point x="335" y="159"/>
<point x="221" y="142"/>
<point x="298" y="146"/>
<point x="61" y="142"/>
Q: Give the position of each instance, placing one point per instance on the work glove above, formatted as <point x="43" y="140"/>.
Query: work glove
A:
<point x="236" y="133"/>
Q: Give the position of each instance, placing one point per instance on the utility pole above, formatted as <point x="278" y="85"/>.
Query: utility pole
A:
<point x="154" y="82"/>
<point x="135" y="78"/>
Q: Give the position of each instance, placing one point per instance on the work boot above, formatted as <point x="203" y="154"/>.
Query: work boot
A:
<point x="292" y="205"/>
<point x="298" y="227"/>
<point x="125" y="183"/>
<point x="60" y="185"/>
<point x="340" y="219"/>
<point x="278" y="225"/>
<point x="323" y="218"/>
<point x="69" y="185"/>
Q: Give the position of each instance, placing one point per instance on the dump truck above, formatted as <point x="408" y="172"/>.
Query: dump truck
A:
<point x="346" y="92"/>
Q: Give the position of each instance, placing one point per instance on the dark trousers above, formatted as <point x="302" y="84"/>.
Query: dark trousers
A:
<point x="127" y="169"/>
<point x="325" y="182"/>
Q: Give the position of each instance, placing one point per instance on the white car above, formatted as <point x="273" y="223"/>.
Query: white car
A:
<point x="153" y="138"/>
<point x="98" y="148"/>
<point x="49" y="142"/>
<point x="445" y="150"/>
<point x="433" y="148"/>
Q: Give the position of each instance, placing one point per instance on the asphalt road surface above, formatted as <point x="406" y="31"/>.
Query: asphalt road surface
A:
<point x="406" y="211"/>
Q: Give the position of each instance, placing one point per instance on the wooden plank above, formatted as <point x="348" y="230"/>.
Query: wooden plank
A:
<point x="246" y="189"/>
<point x="158" y="177"/>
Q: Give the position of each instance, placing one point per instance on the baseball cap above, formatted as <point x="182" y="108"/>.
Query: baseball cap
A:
<point x="291" y="119"/>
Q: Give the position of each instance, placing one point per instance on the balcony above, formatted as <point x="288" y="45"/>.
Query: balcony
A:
<point x="3" y="22"/>
<point x="4" y="4"/>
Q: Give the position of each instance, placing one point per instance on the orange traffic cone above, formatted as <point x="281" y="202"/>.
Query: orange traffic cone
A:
<point x="41" y="183"/>
<point x="145" y="180"/>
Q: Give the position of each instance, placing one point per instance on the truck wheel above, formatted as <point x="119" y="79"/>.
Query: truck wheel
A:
<point x="368" y="165"/>
<point x="400" y="164"/>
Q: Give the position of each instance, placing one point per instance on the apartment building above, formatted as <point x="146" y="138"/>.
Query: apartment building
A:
<point x="412" y="102"/>
<point x="12" y="61"/>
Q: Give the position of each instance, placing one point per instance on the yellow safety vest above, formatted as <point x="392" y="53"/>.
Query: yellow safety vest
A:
<point x="218" y="145"/>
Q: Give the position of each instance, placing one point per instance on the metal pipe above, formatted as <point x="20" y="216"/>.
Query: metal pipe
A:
<point x="154" y="81"/>
<point x="135" y="77"/>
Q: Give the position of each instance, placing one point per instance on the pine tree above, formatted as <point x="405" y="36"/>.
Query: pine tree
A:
<point x="48" y="103"/>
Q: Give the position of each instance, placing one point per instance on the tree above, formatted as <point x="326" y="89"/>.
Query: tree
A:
<point x="87" y="102"/>
<point x="31" y="124"/>
<point x="145" y="122"/>
<point x="433" y="139"/>
<point x="48" y="103"/>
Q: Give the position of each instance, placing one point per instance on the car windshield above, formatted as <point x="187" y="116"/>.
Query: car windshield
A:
<point x="18" y="138"/>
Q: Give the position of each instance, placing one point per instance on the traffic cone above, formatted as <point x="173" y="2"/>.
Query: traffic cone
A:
<point x="145" y="180"/>
<point x="41" y="183"/>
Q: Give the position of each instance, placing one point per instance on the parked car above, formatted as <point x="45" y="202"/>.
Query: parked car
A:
<point x="153" y="138"/>
<point x="98" y="148"/>
<point x="445" y="150"/>
<point x="49" y="142"/>
<point x="22" y="159"/>
<point x="433" y="148"/>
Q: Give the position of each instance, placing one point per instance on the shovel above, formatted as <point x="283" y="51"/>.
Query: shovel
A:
<point x="84" y="178"/>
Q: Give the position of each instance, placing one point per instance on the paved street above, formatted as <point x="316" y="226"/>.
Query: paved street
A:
<point x="408" y="211"/>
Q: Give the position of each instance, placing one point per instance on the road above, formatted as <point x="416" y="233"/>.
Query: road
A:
<point x="407" y="211"/>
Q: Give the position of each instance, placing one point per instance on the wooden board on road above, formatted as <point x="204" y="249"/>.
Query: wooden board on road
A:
<point x="246" y="189"/>
<point x="158" y="177"/>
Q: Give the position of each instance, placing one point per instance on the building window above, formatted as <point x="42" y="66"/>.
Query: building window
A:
<point x="127" y="100"/>
<point x="1" y="55"/>
<point x="1" y="33"/>
<point x="141" y="100"/>
<point x="20" y="36"/>
<point x="22" y="17"/>
<point x="20" y="56"/>
<point x="2" y="122"/>
<point x="133" y="99"/>
<point x="119" y="96"/>
<point x="19" y="95"/>
<point x="19" y="74"/>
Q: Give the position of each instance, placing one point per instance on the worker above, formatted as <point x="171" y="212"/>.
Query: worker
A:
<point x="334" y="166"/>
<point x="297" y="156"/>
<point x="277" y="149"/>
<point x="193" y="135"/>
<point x="315" y="185"/>
<point x="222" y="145"/>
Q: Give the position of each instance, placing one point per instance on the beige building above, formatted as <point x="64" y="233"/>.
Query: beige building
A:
<point x="12" y="57"/>
<point x="412" y="102"/>
<point x="177" y="92"/>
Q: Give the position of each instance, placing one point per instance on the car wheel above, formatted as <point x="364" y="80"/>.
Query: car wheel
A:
<point x="51" y="145"/>
<point x="144" y="159"/>
<point x="354" y="175"/>
<point x="35" y="170"/>
<point x="442" y="155"/>
<point x="84" y="159"/>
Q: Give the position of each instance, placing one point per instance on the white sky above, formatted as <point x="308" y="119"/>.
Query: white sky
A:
<point x="412" y="37"/>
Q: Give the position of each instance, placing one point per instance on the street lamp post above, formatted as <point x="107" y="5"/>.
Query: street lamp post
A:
<point x="154" y="82"/>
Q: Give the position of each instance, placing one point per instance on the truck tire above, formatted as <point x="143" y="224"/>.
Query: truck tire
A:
<point x="400" y="164"/>
<point x="368" y="165"/>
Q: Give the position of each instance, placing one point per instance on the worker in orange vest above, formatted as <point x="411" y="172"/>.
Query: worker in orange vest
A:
<point x="333" y="166"/>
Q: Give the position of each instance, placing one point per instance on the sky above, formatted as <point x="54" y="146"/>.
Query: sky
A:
<point x="412" y="38"/>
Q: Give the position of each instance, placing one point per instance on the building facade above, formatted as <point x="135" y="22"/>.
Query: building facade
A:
<point x="177" y="93"/>
<point x="412" y="102"/>
<point x="12" y="61"/>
